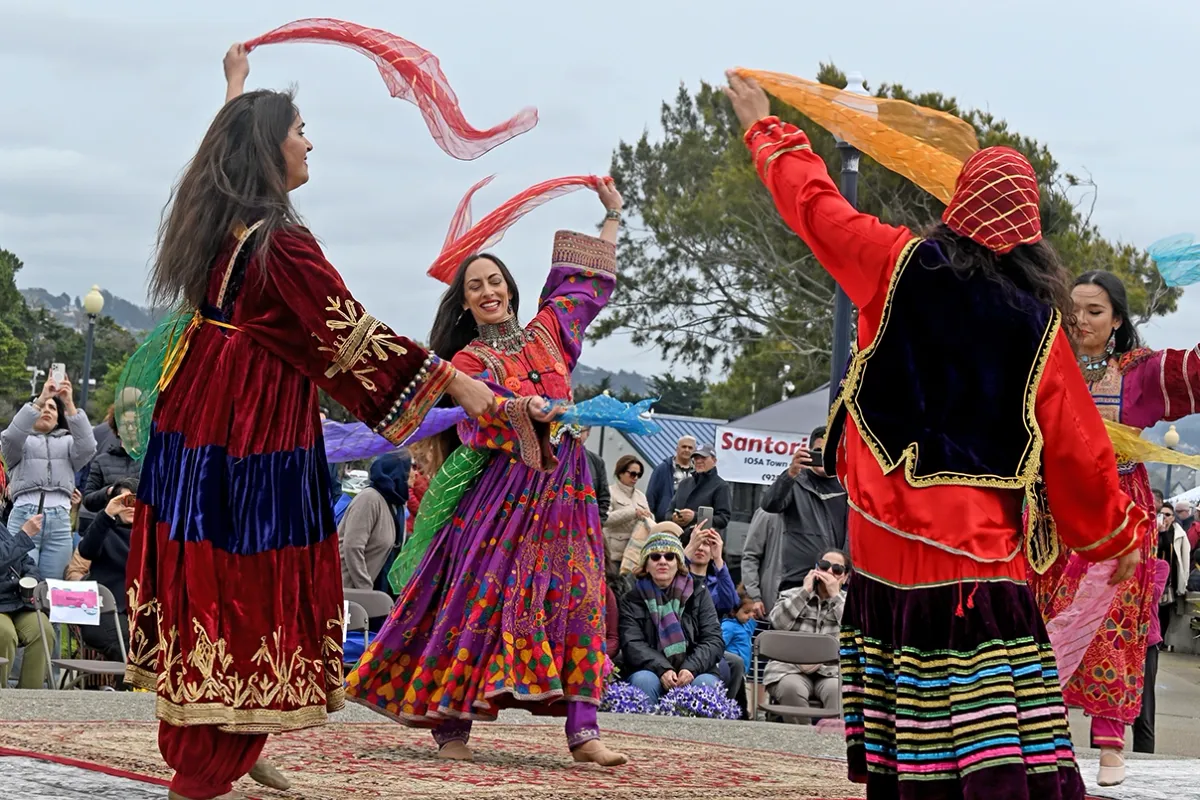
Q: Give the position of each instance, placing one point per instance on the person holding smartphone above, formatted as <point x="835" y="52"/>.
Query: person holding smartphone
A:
<point x="45" y="445"/>
<point x="813" y="507"/>
<point x="703" y="488"/>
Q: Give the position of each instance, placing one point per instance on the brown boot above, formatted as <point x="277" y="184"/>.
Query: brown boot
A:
<point x="594" y="752"/>
<point x="455" y="751"/>
<point x="265" y="773"/>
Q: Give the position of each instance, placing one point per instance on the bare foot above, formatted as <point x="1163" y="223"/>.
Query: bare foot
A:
<point x="267" y="774"/>
<point x="594" y="752"/>
<point x="456" y="751"/>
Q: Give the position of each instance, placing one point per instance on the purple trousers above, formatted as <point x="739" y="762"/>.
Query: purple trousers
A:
<point x="581" y="727"/>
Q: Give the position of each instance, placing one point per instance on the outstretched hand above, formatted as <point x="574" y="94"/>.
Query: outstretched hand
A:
<point x="750" y="102"/>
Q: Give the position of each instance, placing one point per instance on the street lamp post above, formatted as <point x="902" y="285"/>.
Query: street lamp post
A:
<point x="93" y="304"/>
<point x="1171" y="440"/>
<point x="841" y="305"/>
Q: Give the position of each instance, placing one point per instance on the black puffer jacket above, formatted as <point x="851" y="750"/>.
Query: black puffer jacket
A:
<point x="701" y="628"/>
<point x="111" y="465"/>
<point x="15" y="563"/>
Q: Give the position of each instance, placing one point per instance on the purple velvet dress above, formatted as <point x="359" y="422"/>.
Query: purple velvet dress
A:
<point x="508" y="606"/>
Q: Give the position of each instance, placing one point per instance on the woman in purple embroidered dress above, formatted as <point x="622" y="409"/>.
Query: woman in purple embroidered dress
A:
<point x="507" y="607"/>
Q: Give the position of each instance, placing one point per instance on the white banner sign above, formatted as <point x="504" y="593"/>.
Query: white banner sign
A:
<point x="74" y="602"/>
<point x="745" y="456"/>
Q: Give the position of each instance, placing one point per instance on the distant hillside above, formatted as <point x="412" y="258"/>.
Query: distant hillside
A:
<point x="592" y="376"/>
<point x="69" y="310"/>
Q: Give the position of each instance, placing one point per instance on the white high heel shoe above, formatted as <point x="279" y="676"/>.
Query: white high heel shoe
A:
<point x="1112" y="776"/>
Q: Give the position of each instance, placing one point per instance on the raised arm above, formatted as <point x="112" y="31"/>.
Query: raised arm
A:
<point x="1091" y="514"/>
<point x="1160" y="385"/>
<point x="237" y="69"/>
<point x="856" y="249"/>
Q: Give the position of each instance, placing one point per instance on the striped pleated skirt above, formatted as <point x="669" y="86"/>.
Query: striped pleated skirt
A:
<point x="951" y="693"/>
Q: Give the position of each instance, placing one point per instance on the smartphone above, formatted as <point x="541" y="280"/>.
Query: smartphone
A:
<point x="704" y="515"/>
<point x="129" y="500"/>
<point x="58" y="373"/>
<point x="816" y="457"/>
<point x="41" y="502"/>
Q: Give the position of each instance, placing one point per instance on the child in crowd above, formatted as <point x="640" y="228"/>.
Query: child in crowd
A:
<point x="738" y="627"/>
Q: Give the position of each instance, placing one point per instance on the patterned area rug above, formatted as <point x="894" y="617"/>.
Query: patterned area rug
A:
<point x="371" y="760"/>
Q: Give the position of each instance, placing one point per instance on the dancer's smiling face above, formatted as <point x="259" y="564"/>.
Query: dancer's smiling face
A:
<point x="486" y="293"/>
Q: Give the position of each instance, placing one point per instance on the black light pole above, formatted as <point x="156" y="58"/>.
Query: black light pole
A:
<point x="841" y="305"/>
<point x="93" y="304"/>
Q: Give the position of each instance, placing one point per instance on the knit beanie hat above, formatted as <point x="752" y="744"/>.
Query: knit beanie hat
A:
<point x="663" y="542"/>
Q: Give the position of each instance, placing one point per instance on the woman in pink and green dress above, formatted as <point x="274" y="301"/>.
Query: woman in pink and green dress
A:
<point x="1137" y="387"/>
<point x="507" y="607"/>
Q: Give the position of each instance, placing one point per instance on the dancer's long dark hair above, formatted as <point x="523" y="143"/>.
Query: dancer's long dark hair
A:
<point x="453" y="326"/>
<point x="237" y="175"/>
<point x="1033" y="268"/>
<point x="1126" y="336"/>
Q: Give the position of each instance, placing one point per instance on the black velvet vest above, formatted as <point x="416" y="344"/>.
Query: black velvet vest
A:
<point x="949" y="383"/>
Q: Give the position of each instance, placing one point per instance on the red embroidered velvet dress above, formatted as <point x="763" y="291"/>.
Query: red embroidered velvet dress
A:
<point x="234" y="578"/>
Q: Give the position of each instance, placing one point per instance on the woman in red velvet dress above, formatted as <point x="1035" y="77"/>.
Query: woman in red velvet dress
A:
<point x="963" y="401"/>
<point x="234" y="580"/>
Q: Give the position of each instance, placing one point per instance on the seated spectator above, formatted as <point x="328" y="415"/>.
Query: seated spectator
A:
<point x="106" y="545"/>
<point x="374" y="523"/>
<point x="815" y="607"/>
<point x="20" y="624"/>
<point x="78" y="569"/>
<point x="627" y="506"/>
<point x="670" y="634"/>
<point x="738" y="628"/>
<point x="704" y="558"/>
<point x="110" y="465"/>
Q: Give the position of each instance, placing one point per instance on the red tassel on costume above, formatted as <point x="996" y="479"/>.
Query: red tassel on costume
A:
<point x="971" y="597"/>
<point x="960" y="612"/>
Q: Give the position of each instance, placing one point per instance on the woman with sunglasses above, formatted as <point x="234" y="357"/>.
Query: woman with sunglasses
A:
<point x="815" y="607"/>
<point x="629" y="507"/>
<point x="670" y="634"/>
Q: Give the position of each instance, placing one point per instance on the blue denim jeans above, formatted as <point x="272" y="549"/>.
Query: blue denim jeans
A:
<point x="54" y="545"/>
<point x="652" y="687"/>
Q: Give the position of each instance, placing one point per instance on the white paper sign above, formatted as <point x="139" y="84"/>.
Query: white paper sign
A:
<point x="74" y="602"/>
<point x="745" y="456"/>
<point x="345" y="619"/>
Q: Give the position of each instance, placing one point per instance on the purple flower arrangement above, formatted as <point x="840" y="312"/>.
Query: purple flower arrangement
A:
<point x="625" y="698"/>
<point x="698" y="701"/>
<point x="686" y="701"/>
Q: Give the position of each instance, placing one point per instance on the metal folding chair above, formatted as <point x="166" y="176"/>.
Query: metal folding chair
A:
<point x="377" y="603"/>
<point x="794" y="647"/>
<point x="74" y="670"/>
<point x="359" y="620"/>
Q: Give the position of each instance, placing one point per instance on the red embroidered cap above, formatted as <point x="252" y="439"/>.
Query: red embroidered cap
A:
<point x="995" y="200"/>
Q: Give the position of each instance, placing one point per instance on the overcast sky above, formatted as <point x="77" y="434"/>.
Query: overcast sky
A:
<point x="101" y="104"/>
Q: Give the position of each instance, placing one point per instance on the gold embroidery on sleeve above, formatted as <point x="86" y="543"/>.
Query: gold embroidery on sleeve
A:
<point x="362" y="338"/>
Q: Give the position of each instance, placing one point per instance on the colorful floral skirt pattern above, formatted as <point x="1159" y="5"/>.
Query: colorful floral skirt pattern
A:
<point x="507" y="608"/>
<point x="1108" y="682"/>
